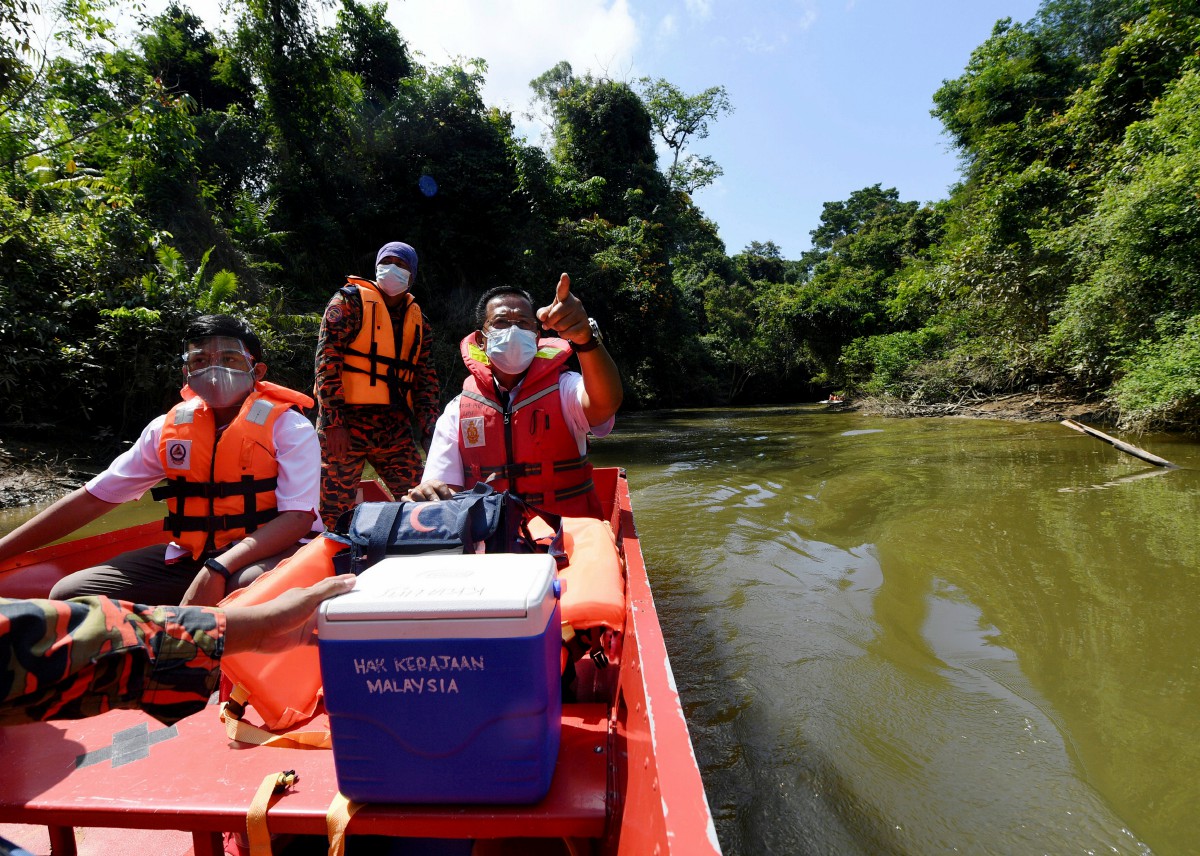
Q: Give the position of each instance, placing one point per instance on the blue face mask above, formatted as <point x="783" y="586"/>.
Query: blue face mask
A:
<point x="392" y="279"/>
<point x="511" y="350"/>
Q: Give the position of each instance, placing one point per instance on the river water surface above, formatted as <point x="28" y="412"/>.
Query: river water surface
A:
<point x="929" y="635"/>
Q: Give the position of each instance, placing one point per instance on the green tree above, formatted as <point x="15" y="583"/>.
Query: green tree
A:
<point x="678" y="119"/>
<point x="762" y="262"/>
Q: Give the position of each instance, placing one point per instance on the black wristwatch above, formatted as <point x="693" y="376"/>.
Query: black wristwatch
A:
<point x="214" y="565"/>
<point x="596" y="342"/>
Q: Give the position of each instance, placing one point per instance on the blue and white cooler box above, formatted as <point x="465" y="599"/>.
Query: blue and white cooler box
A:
<point x="441" y="679"/>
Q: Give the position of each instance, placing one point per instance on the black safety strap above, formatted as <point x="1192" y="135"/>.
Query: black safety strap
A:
<point x="381" y="534"/>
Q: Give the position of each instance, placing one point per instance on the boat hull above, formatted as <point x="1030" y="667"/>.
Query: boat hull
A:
<point x="627" y="783"/>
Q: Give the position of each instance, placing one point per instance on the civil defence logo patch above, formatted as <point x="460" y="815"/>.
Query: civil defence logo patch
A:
<point x="179" y="454"/>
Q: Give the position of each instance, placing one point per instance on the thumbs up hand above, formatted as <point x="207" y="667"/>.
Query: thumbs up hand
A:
<point x="565" y="314"/>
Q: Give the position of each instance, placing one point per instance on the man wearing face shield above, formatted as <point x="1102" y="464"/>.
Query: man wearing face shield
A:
<point x="241" y="465"/>
<point x="522" y="419"/>
<point x="376" y="387"/>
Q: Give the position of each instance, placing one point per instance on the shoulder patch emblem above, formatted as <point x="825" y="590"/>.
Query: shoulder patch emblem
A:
<point x="179" y="454"/>
<point x="472" y="432"/>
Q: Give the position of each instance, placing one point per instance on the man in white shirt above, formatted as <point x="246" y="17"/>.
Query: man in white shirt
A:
<point x="522" y="419"/>
<point x="242" y="466"/>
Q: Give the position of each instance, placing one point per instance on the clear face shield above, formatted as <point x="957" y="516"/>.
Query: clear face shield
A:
<point x="220" y="370"/>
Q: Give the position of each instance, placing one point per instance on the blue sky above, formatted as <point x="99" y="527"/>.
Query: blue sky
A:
<point x="829" y="96"/>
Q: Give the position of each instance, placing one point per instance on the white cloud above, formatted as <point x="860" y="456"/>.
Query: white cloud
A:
<point x="808" y="16"/>
<point x="701" y="9"/>
<point x="520" y="39"/>
<point x="667" y="28"/>
<point x="760" y="43"/>
<point x="776" y="33"/>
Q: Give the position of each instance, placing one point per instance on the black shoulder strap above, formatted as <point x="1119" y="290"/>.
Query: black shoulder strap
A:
<point x="381" y="533"/>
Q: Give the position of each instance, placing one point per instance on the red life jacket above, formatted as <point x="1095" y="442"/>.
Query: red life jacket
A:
<point x="221" y="486"/>
<point x="527" y="445"/>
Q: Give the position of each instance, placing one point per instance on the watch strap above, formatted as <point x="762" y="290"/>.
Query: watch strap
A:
<point x="218" y="568"/>
<point x="595" y="340"/>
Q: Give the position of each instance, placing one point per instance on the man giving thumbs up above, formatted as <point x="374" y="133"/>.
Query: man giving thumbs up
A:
<point x="510" y="424"/>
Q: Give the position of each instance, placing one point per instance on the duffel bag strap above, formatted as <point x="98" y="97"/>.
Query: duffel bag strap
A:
<point x="474" y="512"/>
<point x="555" y="546"/>
<point x="381" y="534"/>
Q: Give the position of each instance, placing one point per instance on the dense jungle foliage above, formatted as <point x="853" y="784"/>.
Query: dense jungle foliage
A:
<point x="251" y="170"/>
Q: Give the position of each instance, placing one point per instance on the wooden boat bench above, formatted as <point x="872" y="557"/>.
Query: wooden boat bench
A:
<point x="124" y="769"/>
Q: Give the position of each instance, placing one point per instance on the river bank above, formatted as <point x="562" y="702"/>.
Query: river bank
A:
<point x="34" y="471"/>
<point x="1049" y="404"/>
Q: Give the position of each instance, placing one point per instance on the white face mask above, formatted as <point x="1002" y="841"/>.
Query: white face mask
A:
<point x="392" y="279"/>
<point x="511" y="350"/>
<point x="221" y="387"/>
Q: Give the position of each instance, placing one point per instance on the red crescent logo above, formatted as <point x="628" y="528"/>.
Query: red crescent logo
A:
<point x="414" y="519"/>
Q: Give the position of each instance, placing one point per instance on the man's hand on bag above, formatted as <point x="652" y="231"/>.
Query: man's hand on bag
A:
<point x="565" y="315"/>
<point x="431" y="491"/>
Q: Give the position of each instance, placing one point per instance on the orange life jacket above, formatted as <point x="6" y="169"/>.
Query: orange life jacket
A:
<point x="375" y="370"/>
<point x="526" y="445"/>
<point x="221" y="485"/>
<point x="284" y="688"/>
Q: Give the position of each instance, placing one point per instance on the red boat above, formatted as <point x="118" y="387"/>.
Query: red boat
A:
<point x="626" y="781"/>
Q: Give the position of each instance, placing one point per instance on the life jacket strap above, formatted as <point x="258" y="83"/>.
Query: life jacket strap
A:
<point x="572" y="492"/>
<point x="399" y="378"/>
<point x="249" y="521"/>
<point x="183" y="489"/>
<point x="571" y="464"/>
<point x="337" y="818"/>
<point x="176" y="522"/>
<point x="236" y="728"/>
<point x="491" y="472"/>
<point x="268" y="793"/>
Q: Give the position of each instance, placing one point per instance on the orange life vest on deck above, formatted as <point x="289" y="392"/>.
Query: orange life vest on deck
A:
<point x="286" y="688"/>
<point x="374" y="369"/>
<point x="221" y="485"/>
<point x="526" y="445"/>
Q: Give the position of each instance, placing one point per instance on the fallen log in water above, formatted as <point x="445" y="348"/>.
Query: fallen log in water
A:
<point x="1120" y="444"/>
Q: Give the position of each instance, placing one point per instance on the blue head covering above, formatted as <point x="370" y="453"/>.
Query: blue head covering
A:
<point x="400" y="251"/>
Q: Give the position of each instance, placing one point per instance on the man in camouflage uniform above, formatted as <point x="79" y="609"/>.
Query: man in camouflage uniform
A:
<point x="376" y="386"/>
<point x="81" y="657"/>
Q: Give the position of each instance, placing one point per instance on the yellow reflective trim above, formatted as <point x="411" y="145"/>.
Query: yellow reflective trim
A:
<point x="477" y="353"/>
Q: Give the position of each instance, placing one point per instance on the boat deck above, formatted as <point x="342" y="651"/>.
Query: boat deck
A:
<point x="125" y="769"/>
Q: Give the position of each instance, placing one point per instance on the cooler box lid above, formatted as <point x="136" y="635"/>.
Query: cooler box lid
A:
<point x="409" y="588"/>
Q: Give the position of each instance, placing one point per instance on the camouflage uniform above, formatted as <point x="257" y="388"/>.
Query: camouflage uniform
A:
<point x="77" y="658"/>
<point x="380" y="433"/>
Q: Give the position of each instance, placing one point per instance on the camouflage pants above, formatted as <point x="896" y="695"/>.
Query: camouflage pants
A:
<point x="378" y="435"/>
